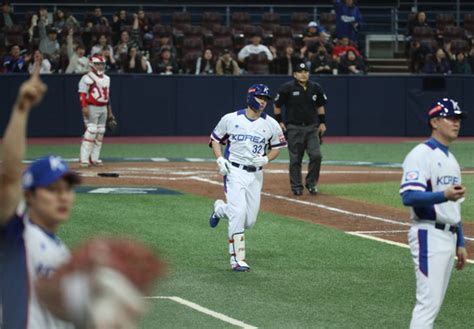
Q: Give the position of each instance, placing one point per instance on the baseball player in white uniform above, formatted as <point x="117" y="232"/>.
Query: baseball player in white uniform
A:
<point x="94" y="96"/>
<point x="252" y="139"/>
<point x="431" y="186"/>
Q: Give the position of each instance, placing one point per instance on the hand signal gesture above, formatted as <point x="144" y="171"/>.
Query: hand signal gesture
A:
<point x="31" y="91"/>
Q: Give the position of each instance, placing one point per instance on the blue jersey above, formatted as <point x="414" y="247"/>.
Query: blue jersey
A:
<point x="27" y="252"/>
<point x="345" y="19"/>
<point x="431" y="167"/>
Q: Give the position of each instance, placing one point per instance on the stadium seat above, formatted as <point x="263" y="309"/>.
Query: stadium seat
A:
<point x="222" y="43"/>
<point x="283" y="31"/>
<point x="281" y="44"/>
<point x="155" y="17"/>
<point x="328" y="21"/>
<point x="180" y="19"/>
<point x="452" y="33"/>
<point x="422" y="32"/>
<point x="459" y="45"/>
<point x="270" y="21"/>
<point x="299" y="21"/>
<point x="210" y="19"/>
<point x="468" y="25"/>
<point x="189" y="61"/>
<point x="443" y="20"/>
<point x="240" y="18"/>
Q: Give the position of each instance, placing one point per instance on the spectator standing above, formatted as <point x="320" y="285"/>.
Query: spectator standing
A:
<point x="226" y="65"/>
<point x="348" y="19"/>
<point x="206" y="63"/>
<point x="14" y="62"/>
<point x="437" y="64"/>
<point x="461" y="65"/>
<point x="78" y="62"/>
<point x="303" y="100"/>
<point x="7" y="19"/>
<point x="49" y="45"/>
<point x="352" y="64"/>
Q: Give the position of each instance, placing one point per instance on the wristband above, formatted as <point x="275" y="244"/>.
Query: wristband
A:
<point x="322" y="118"/>
<point x="278" y="117"/>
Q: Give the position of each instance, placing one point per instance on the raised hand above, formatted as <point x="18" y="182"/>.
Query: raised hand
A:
<point x="32" y="91"/>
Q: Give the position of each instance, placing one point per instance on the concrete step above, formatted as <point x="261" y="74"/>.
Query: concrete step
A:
<point x="389" y="68"/>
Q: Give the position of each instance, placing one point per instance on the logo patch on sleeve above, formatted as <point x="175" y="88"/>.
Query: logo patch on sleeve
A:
<point x="411" y="175"/>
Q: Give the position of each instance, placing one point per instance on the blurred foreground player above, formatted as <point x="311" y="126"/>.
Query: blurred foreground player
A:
<point x="41" y="285"/>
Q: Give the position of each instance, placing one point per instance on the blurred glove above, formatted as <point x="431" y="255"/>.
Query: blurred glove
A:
<point x="224" y="166"/>
<point x="260" y="161"/>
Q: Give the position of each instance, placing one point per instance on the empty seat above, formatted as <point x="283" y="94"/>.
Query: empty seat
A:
<point x="422" y="32"/>
<point x="189" y="61"/>
<point x="210" y="19"/>
<point x="155" y="17"/>
<point x="270" y="20"/>
<point x="222" y="43"/>
<point x="468" y="25"/>
<point x="443" y="20"/>
<point x="452" y="33"/>
<point x="221" y="31"/>
<point x="161" y="30"/>
<point x="192" y="31"/>
<point x="299" y="21"/>
<point x="181" y="18"/>
<point x="240" y="18"/>
<point x="192" y="44"/>
<point x="283" y="31"/>
<point x="459" y="45"/>
<point x="328" y="21"/>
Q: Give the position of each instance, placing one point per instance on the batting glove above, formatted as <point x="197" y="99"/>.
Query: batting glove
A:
<point x="260" y="161"/>
<point x="224" y="166"/>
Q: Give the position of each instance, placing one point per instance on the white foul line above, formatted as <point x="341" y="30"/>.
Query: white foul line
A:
<point x="313" y="204"/>
<point x="393" y="243"/>
<point x="318" y="205"/>
<point x="207" y="311"/>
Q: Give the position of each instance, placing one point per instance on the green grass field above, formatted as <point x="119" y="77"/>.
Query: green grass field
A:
<point x="303" y="275"/>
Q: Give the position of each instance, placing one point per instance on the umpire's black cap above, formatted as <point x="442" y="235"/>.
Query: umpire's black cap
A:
<point x="301" y="67"/>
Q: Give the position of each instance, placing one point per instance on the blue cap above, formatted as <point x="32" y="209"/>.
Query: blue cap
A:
<point x="47" y="170"/>
<point x="446" y="108"/>
<point x="257" y="90"/>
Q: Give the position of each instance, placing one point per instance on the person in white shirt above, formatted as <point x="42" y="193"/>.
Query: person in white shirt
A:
<point x="254" y="48"/>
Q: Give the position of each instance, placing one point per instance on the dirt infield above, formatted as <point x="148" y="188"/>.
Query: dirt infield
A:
<point x="340" y="213"/>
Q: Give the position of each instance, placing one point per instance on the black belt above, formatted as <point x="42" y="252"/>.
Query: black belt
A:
<point x="246" y="168"/>
<point x="441" y="226"/>
<point x="302" y="124"/>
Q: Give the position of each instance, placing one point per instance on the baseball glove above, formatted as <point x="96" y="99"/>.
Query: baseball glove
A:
<point x="103" y="283"/>
<point x="111" y="124"/>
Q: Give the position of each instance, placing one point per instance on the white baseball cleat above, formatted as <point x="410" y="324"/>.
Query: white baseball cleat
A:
<point x="85" y="164"/>
<point x="97" y="163"/>
<point x="239" y="266"/>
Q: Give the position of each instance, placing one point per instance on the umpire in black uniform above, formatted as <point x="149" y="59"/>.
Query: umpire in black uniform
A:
<point x="304" y="102"/>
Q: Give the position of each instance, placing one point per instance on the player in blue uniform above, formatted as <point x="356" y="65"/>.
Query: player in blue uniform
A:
<point x="431" y="185"/>
<point x="252" y="139"/>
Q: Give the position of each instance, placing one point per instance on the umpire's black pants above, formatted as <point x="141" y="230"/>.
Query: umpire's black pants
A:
<point x="301" y="139"/>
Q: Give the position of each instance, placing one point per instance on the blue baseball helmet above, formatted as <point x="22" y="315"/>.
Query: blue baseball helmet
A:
<point x="258" y="90"/>
<point x="47" y="170"/>
<point x="446" y="108"/>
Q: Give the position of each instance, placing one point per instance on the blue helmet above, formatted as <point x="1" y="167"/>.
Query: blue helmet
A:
<point x="259" y="90"/>
<point x="446" y="108"/>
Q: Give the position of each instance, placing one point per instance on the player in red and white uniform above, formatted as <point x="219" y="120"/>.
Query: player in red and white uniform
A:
<point x="94" y="95"/>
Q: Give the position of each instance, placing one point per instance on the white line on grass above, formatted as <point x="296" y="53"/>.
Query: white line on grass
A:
<point x="318" y="205"/>
<point x="207" y="311"/>
<point x="393" y="243"/>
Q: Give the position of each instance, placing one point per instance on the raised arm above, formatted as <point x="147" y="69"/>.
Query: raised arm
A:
<point x="14" y="143"/>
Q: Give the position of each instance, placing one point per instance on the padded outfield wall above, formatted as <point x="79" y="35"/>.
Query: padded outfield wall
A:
<point x="153" y="105"/>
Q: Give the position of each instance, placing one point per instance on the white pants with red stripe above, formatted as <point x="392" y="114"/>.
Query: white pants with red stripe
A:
<point x="433" y="251"/>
